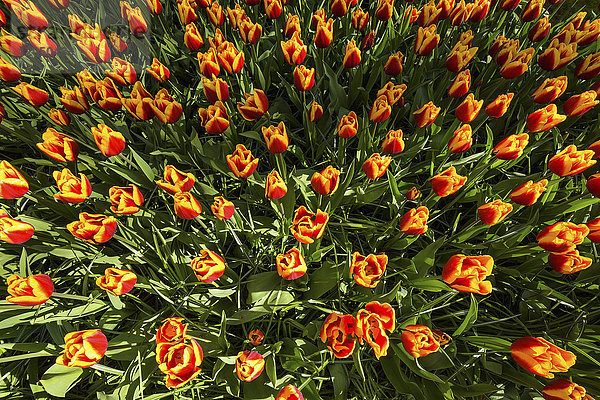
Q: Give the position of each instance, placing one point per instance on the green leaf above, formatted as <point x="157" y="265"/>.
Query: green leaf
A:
<point x="425" y="259"/>
<point x="58" y="379"/>
<point x="470" y="318"/>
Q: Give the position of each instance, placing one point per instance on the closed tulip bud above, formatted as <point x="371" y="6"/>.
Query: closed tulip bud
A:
<point x="304" y="78"/>
<point x="468" y="109"/>
<point x="209" y="63"/>
<point x="571" y="161"/>
<point x="8" y="72"/>
<point x="564" y="389"/>
<point x="540" y="30"/>
<point x="498" y="107"/>
<point x="42" y="43"/>
<point x="368" y="41"/>
<point x="429" y="14"/>
<point x="125" y="200"/>
<point x="13" y="231"/>
<point x="106" y="95"/>
<point x="60" y="4"/>
<point x="74" y="100"/>
<point x="167" y="110"/>
<point x="393" y="66"/>
<point x="86" y="81"/>
<point x="31" y="94"/>
<point x="308" y="226"/>
<point x="337" y="332"/>
<point x="1" y="112"/>
<point x="426" y="40"/>
<point x="255" y="105"/>
<point x="460" y="13"/>
<point x="73" y="189"/>
<point x="140" y="103"/>
<point x="28" y="13"/>
<point x="249" y="364"/>
<point x="532" y="10"/>
<point x="292" y="25"/>
<point x="175" y="181"/>
<point x="360" y="19"/>
<point x="215" y="89"/>
<point x="425" y="115"/>
<point x="236" y="15"/>
<point x="348" y="125"/>
<point x="58" y="146"/>
<point x="324" y="34"/>
<point x="352" y="55"/>
<point x="208" y="266"/>
<point x="494" y="212"/>
<point x="512" y="147"/>
<point x="186" y="206"/>
<point x="479" y="10"/>
<point x="384" y="10"/>
<point x="214" y="118"/>
<point x="580" y="103"/>
<point x="562" y="236"/>
<point x="529" y="192"/>
<point x="318" y="16"/>
<point x="550" y="90"/>
<point x="544" y="119"/>
<point x="393" y="142"/>
<point x="158" y="70"/>
<point x="83" y="348"/>
<point x="273" y="8"/>
<point x="447" y="182"/>
<point x="375" y="166"/>
<point x="413" y="194"/>
<point x="109" y="142"/>
<point x="467" y="273"/>
<point x="216" y="14"/>
<point x="461" y="139"/>
<point x="461" y="84"/>
<point x="59" y="117"/>
<point x="518" y="64"/>
<point x="460" y="57"/>
<point x="381" y="109"/>
<point x="93" y="228"/>
<point x="327" y="181"/>
<point x="557" y="55"/>
<point x="12" y="183"/>
<point x="249" y="31"/>
<point x="594" y="227"/>
<point x="276" y="138"/>
<point x="29" y="291"/>
<point x="117" y="42"/>
<point x="569" y="262"/>
<point x="137" y="23"/>
<point x="367" y="271"/>
<point x="291" y="392"/>
<point x="122" y="72"/>
<point x="11" y="44"/>
<point x="339" y="8"/>
<point x="187" y="13"/>
<point x="503" y="49"/>
<point x="508" y="5"/>
<point x="154" y="6"/>
<point x="291" y="265"/>
<point x="588" y="68"/>
<point x="446" y="7"/>
<point x="294" y="50"/>
<point x="419" y="341"/>
<point x="192" y="38"/>
<point x="256" y="337"/>
<point x="414" y="222"/>
<point x="275" y="187"/>
<point x="316" y="112"/>
<point x="117" y="281"/>
<point x="241" y="162"/>
<point x="541" y="357"/>
<point x="222" y="208"/>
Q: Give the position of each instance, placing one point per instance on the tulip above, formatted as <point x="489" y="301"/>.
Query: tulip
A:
<point x="326" y="182"/>
<point x="83" y="348"/>
<point x="461" y="84"/>
<point x="276" y="138"/>
<point x="508" y="5"/>
<point x="316" y="112"/>
<point x="384" y="10"/>
<point x="13" y="231"/>
<point x="217" y="40"/>
<point x="93" y="44"/>
<point x="58" y="146"/>
<point x="532" y="10"/>
<point x="371" y="325"/>
<point x="75" y="23"/>
<point x="512" y="147"/>
<point x="564" y="389"/>
<point x="8" y="72"/>
<point x="255" y="105"/>
<point x="494" y="212"/>
<point x="352" y="55"/>
<point x="250" y="364"/>
<point x="186" y="206"/>
<point x="393" y="142"/>
<point x="59" y="3"/>
<point x="119" y="44"/>
<point x="214" y="118"/>
<point x="544" y="119"/>
<point x="117" y="281"/>
<point x="175" y="181"/>
<point x="208" y="62"/>
<point x="308" y="226"/>
<point x="324" y="34"/>
<point x="336" y="332"/>
<point x="594" y="227"/>
<point x="461" y="139"/>
<point x="256" y="337"/>
<point x="571" y="161"/>
<point x="368" y="40"/>
<point x="73" y="189"/>
<point x="216" y="14"/>
<point x="503" y="49"/>
<point x="42" y="43"/>
<point x="249" y="31"/>
<point x="392" y="92"/>
<point x="360" y="19"/>
<point x="154" y="6"/>
<point x="499" y="106"/>
<point x="291" y="392"/>
<point x="541" y="357"/>
<point x="292" y="25"/>
<point x="467" y="273"/>
<point x="275" y="187"/>
<point x="414" y="222"/>
<point x="12" y="183"/>
<point x="339" y="8"/>
<point x="106" y="95"/>
<point x="580" y="104"/>
<point x="208" y="266"/>
<point x="291" y="265"/>
<point x="418" y="341"/>
<point x="93" y="228"/>
<point x="426" y="40"/>
<point x="425" y="115"/>
<point x="158" y="70"/>
<point x="529" y="192"/>
<point x="518" y="64"/>
<point x="411" y="14"/>
<point x="241" y="162"/>
<point x="460" y="57"/>
<point x="11" y="44"/>
<point x="59" y="117"/>
<point x="413" y="194"/>
<point x="569" y="262"/>
<point x="187" y="13"/>
<point x="595" y="147"/>
<point x="468" y="109"/>
<point x="125" y="200"/>
<point x="589" y="33"/>
<point x="137" y="23"/>
<point x="447" y="182"/>
<point x="1" y="112"/>
<point x="140" y="103"/>
<point x="179" y="361"/>
<point x="192" y="38"/>
<point x="122" y="72"/>
<point x="393" y="65"/>
<point x="348" y="125"/>
<point x="222" y="209"/>
<point x="318" y="16"/>
<point x="109" y="142"/>
<point x="429" y="14"/>
<point x="588" y="68"/>
<point x="172" y="330"/>
<point x="304" y="78"/>
<point x="480" y="10"/>
<point x="550" y="90"/>
<point x="562" y="236"/>
<point x="29" y="291"/>
<point x="28" y="13"/>
<point x="165" y="108"/>
<point x="381" y="109"/>
<point x="540" y="30"/>
<point x="31" y="94"/>
<point x="375" y="166"/>
<point x="557" y="55"/>
<point x="593" y="185"/>
<point x="231" y="59"/>
<point x="460" y="13"/>
<point x="367" y="271"/>
<point x="74" y="100"/>
<point x="294" y="50"/>
<point x="273" y="8"/>
<point x="86" y="81"/>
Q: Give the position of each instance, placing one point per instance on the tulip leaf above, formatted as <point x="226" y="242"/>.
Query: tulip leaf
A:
<point x="58" y="379"/>
<point x="339" y="378"/>
<point x="470" y="318"/>
<point x="425" y="259"/>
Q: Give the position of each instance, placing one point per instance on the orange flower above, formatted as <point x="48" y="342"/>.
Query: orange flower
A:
<point x="230" y="58"/>
<point x="171" y="330"/>
<point x="29" y="291"/>
<point x="446" y="7"/>
<point x="384" y="10"/>
<point x="550" y="90"/>
<point x="593" y="184"/>
<point x="467" y="273"/>
<point x="13" y="231"/>
<point x="540" y="30"/>
<point x="308" y="226"/>
<point x="348" y="125"/>
<point x="589" y="33"/>
<point x="215" y="89"/>
<point x="339" y="8"/>
<point x="187" y="13"/>
<point x="167" y="110"/>
<point x="460" y="13"/>
<point x="109" y="142"/>
<point x="222" y="209"/>
<point x="255" y="105"/>
<point x="336" y="332"/>
<point x="304" y="78"/>
<point x="461" y="139"/>
<point x="460" y="56"/>
<point x="414" y="222"/>
<point x="83" y="348"/>
<point x="426" y="40"/>
<point x="494" y="212"/>
<point x="518" y="64"/>
<point x="324" y="34"/>
<point x="425" y="115"/>
<point x="125" y="200"/>
<point x="461" y="84"/>
<point x="158" y="70"/>
<point x="447" y="182"/>
<point x="367" y="270"/>
<point x="117" y="281"/>
<point x="12" y="183"/>
<point x="11" y="44"/>
<point x="372" y="323"/>
<point x="28" y="14"/>
<point x="564" y="389"/>
<point x="42" y="43"/>
<point x="256" y="337"/>
<point x="528" y="193"/>
<point x="375" y="166"/>
<point x="326" y="182"/>
<point x="208" y="266"/>
<point x="393" y="142"/>
<point x="429" y="14"/>
<point x="74" y="100"/>
<point x="562" y="237"/>
<point x="569" y="262"/>
<point x="241" y="162"/>
<point x="59" y="117"/>
<point x="175" y="181"/>
<point x="249" y="364"/>
<point x="214" y="118"/>
<point x="541" y="357"/>
<point x="292" y="25"/>
<point x="209" y="63"/>
<point x="571" y="161"/>
<point x="479" y="10"/>
<point x="275" y="187"/>
<point x="316" y="112"/>
<point x="31" y="94"/>
<point x="179" y="361"/>
<point x="250" y="31"/>
<point x="8" y="72"/>
<point x="216" y="14"/>
<point x="58" y="146"/>
<point x="468" y="109"/>
<point x="119" y="44"/>
<point x="580" y="104"/>
<point x="419" y="341"/>
<point x="557" y="55"/>
<point x="360" y="19"/>
<point x="352" y="54"/>
<point x="93" y="228"/>
<point x="72" y="189"/>
<point x="106" y="95"/>
<point x="294" y="50"/>
<point x="392" y="92"/>
<point x="154" y="6"/>
<point x="273" y="9"/>
<point x="381" y="109"/>
<point x="186" y="206"/>
<point x="291" y="264"/>
<point x="92" y="42"/>
<point x="192" y="38"/>
<point x="532" y="10"/>
<point x="393" y="65"/>
<point x="291" y="392"/>
<point x="588" y="68"/>
<point x="512" y="147"/>
<point x="122" y="72"/>
<point x="498" y="107"/>
<point x="413" y="194"/>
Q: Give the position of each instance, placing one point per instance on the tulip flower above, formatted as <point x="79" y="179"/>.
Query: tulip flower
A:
<point x="192" y="38"/>
<point x="58" y="146"/>
<point x="13" y="231"/>
<point x="393" y="142"/>
<point x="117" y="281"/>
<point x="562" y="237"/>
<point x="447" y="182"/>
<point x="580" y="103"/>
<point x="360" y="19"/>
<point x="83" y="348"/>
<point x="275" y="187"/>
<point x="593" y="184"/>
<point x="418" y="341"/>
<point x="29" y="291"/>
<point x="74" y="100"/>
<point x="336" y="332"/>
<point x="414" y="222"/>
<point x="446" y="7"/>
<point x="106" y="95"/>
<point x="11" y="44"/>
<point x="480" y="10"/>
<point x="167" y="110"/>
<point x="367" y="271"/>
<point x="588" y="68"/>
<point x="460" y="57"/>
<point x="348" y="125"/>
<point x="375" y="166"/>
<point x="512" y="147"/>
<point x="461" y="84"/>
<point x="461" y="139"/>
<point x="494" y="212"/>
<point x="508" y="5"/>
<point x="158" y="70"/>
<point x="594" y="227"/>
<point x="544" y="119"/>
<point x="384" y="10"/>
<point x="28" y="13"/>
<point x="31" y="94"/>
<point x="171" y="331"/>
<point x="175" y="181"/>
<point x="276" y="138"/>
<point x="290" y="392"/>
<point x="339" y="8"/>
<point x="214" y="118"/>
<point x="316" y="112"/>
<point x="529" y="192"/>
<point x="109" y="142"/>
<point x="540" y="30"/>
<point x="557" y="55"/>
<point x="137" y="23"/>
<point x="595" y="147"/>
<point x="425" y="115"/>
<point x="381" y="109"/>
<point x="122" y="72"/>
<point x="60" y="4"/>
<point x="571" y="161"/>
<point x="318" y="16"/>
<point x="326" y="182"/>
<point x="429" y="14"/>
<point x="250" y="364"/>
<point x="42" y="43"/>
<point x="368" y="40"/>
<point x="352" y="55"/>
<point x="308" y="226"/>
<point x="59" y="117"/>
<point x="569" y="262"/>
<point x="393" y="65"/>
<point x="125" y="200"/>
<point x="413" y="194"/>
<point x="117" y="42"/>
<point x="498" y="107"/>
<point x="256" y="337"/>
<point x="186" y="206"/>
<point x="250" y="31"/>
<point x="73" y="189"/>
<point x="372" y="322"/>
<point x="518" y="64"/>
<point x="467" y="273"/>
<point x="12" y="183"/>
<point x="589" y="33"/>
<point x="8" y="72"/>
<point x="393" y="93"/>
<point x="460" y="14"/>
<point x="324" y="34"/>
<point x="140" y="103"/>
<point x="216" y="14"/>
<point x="154" y="6"/>
<point x="292" y="25"/>
<point x="273" y="8"/>
<point x="92" y="42"/>
<point x="86" y="81"/>
<point x="426" y="40"/>
<point x="179" y="361"/>
<point x="294" y="50"/>
<point x="550" y="90"/>
<point x="209" y="63"/>
<point x="187" y="13"/>
<point x="222" y="208"/>
<point x="93" y="228"/>
<point x="230" y="58"/>
<point x="532" y="10"/>
<point x="541" y="357"/>
<point x="254" y="106"/>
<point x="503" y="49"/>
<point x="208" y="266"/>
<point x="468" y="109"/>
<point x="291" y="265"/>
<point x="241" y="162"/>
<point x="564" y="389"/>
<point x="304" y="78"/>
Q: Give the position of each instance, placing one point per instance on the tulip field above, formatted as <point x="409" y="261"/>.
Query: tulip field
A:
<point x="300" y="199"/>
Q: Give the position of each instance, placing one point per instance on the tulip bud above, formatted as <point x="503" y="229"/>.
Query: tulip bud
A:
<point x="375" y="166"/>
<point x="249" y="364"/>
<point x="42" y="43"/>
<point x="512" y="147"/>
<point x="249" y="31"/>
<point x="557" y="55"/>
<point x="540" y="30"/>
<point x="324" y="34"/>
<point x="216" y="14"/>
<point x="414" y="222"/>
<point x="459" y="57"/>
<point x="381" y="109"/>
<point x="425" y="115"/>
<point x="12" y="183"/>
<point x="339" y="8"/>
<point x="208" y="62"/>
<point x="461" y="140"/>
<point x="31" y="94"/>
<point x="167" y="110"/>
<point x="588" y="68"/>
<point x="59" y="117"/>
<point x="348" y="125"/>
<point x="192" y="38"/>
<point x="116" y="41"/>
<point x="366" y="271"/>
<point x="275" y="187"/>
<point x="550" y="90"/>
<point x="508" y="5"/>
<point x="532" y="10"/>
<point x="393" y="66"/>
<point x="175" y="181"/>
<point x="83" y="348"/>
<point x="580" y="103"/>
<point x="518" y="64"/>
<point x="125" y="200"/>
<point x="273" y="8"/>
<point x="8" y="72"/>
<point x="241" y="162"/>
<point x="564" y="389"/>
<point x="529" y="192"/>
<point x="276" y="138"/>
<point x="594" y="227"/>
<point x="494" y="212"/>
<point x="393" y="142"/>
<point x="360" y="19"/>
<point x="117" y="281"/>
<point x="569" y="262"/>
<point x="109" y="142"/>
<point x="93" y="228"/>
<point x="256" y="337"/>
<point x="562" y="236"/>
<point x="140" y="103"/>
<point x="186" y="206"/>
<point x="158" y="70"/>
<point x="544" y="119"/>
<point x="106" y="95"/>
<point x="589" y="33"/>
<point x="498" y="107"/>
<point x="468" y="109"/>
<point x="461" y="84"/>
<point x="368" y="41"/>
<point x="294" y="50"/>
<point x="154" y="6"/>
<point x="308" y="226"/>
<point x="352" y="55"/>
<point x="222" y="208"/>
<point x="326" y="182"/>
<point x="316" y="112"/>
<point x="304" y="78"/>
<point x="11" y="44"/>
<point x="289" y="392"/>
<point x="318" y="16"/>
<point x="292" y="25"/>
<point x="384" y="10"/>
<point x="426" y="40"/>
<point x="122" y="72"/>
